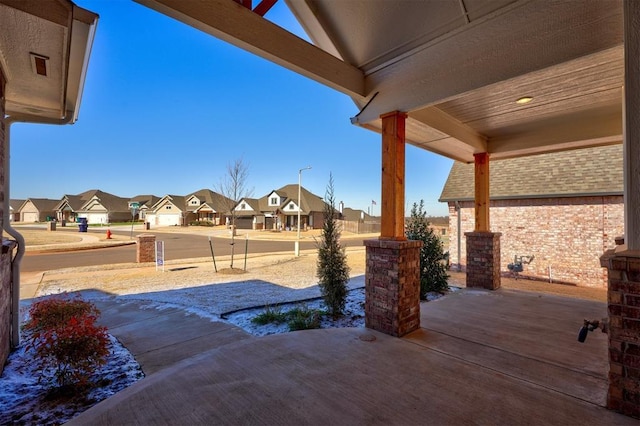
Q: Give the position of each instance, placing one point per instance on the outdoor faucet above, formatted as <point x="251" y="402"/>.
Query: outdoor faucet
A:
<point x="592" y="325"/>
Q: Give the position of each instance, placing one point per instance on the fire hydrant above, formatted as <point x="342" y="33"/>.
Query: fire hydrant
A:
<point x="108" y="234"/>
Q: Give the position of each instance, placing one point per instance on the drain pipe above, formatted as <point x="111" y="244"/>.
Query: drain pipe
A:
<point x="17" y="259"/>
<point x="459" y="210"/>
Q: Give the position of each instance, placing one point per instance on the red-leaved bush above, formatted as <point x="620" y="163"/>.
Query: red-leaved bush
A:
<point x="68" y="344"/>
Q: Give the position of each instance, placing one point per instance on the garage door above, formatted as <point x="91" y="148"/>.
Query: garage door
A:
<point x="168" y="220"/>
<point x="99" y="218"/>
<point x="244" y="222"/>
<point x="29" y="217"/>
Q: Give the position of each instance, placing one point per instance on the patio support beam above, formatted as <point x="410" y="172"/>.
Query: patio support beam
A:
<point x="483" y="246"/>
<point x="393" y="171"/>
<point x="235" y="24"/>
<point x="392" y="276"/>
<point x="482" y="192"/>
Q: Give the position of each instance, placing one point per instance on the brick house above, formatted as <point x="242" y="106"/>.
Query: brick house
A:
<point x="564" y="208"/>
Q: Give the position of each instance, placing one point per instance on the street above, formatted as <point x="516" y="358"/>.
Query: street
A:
<point x="177" y="246"/>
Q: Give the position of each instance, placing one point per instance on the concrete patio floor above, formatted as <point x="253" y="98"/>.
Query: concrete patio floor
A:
<point x="506" y="357"/>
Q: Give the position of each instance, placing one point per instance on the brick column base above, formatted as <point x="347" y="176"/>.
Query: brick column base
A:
<point x="392" y="286"/>
<point x="624" y="331"/>
<point x="146" y="248"/>
<point x="483" y="260"/>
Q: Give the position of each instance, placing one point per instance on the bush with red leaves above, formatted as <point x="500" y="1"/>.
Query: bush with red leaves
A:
<point x="68" y="344"/>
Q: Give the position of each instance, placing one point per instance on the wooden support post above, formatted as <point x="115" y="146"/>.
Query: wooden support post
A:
<point x="393" y="164"/>
<point x="482" y="191"/>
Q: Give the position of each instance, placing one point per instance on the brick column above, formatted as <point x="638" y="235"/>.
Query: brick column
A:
<point x="483" y="259"/>
<point x="392" y="286"/>
<point x="146" y="248"/>
<point x="624" y="331"/>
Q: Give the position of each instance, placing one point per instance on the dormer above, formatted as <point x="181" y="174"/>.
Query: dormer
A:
<point x="274" y="200"/>
<point x="193" y="201"/>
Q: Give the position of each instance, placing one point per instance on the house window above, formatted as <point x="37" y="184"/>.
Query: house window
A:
<point x="167" y="207"/>
<point x="274" y="201"/>
<point x="243" y="206"/>
<point x="291" y="206"/>
<point x="194" y="202"/>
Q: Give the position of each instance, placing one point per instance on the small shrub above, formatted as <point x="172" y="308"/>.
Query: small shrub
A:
<point x="69" y="346"/>
<point x="332" y="267"/>
<point x="271" y="314"/>
<point x="303" y="318"/>
<point x="433" y="259"/>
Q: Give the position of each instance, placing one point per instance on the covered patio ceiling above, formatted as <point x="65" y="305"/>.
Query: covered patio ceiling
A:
<point x="457" y="67"/>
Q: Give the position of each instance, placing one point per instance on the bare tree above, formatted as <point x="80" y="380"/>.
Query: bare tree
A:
<point x="233" y="185"/>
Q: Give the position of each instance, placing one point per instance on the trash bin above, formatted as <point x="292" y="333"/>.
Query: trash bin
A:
<point x="82" y="224"/>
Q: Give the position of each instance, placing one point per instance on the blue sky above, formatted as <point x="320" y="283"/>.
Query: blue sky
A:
<point x="167" y="107"/>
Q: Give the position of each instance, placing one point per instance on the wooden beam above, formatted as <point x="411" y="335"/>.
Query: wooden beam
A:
<point x="482" y="192"/>
<point x="443" y="122"/>
<point x="393" y="171"/>
<point x="264" y="6"/>
<point x="230" y="21"/>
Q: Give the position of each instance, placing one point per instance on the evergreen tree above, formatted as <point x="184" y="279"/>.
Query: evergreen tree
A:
<point x="332" y="268"/>
<point x="433" y="259"/>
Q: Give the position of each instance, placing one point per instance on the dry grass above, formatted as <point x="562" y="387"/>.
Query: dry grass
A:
<point x="39" y="237"/>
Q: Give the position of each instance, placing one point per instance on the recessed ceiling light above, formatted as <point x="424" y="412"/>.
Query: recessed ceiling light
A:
<point x="524" y="100"/>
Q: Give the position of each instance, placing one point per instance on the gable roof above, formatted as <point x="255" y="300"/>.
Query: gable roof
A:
<point x="145" y="200"/>
<point x="309" y="202"/>
<point x="218" y="202"/>
<point x="583" y="172"/>
<point x="16" y="204"/>
<point x="112" y="203"/>
<point x="42" y="204"/>
<point x="354" y="215"/>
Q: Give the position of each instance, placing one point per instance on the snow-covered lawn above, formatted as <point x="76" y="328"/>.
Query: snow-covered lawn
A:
<point x="23" y="400"/>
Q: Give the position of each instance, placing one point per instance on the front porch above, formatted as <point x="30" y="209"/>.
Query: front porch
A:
<point x="481" y="357"/>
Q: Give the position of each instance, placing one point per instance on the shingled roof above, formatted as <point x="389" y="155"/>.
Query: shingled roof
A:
<point x="577" y="173"/>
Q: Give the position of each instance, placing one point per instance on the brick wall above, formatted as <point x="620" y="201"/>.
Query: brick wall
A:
<point x="483" y="260"/>
<point x="5" y="300"/>
<point x="392" y="286"/>
<point x="146" y="248"/>
<point x="624" y="332"/>
<point x="567" y="236"/>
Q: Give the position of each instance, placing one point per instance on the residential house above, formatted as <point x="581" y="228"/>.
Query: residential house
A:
<point x="279" y="210"/>
<point x="562" y="208"/>
<point x="68" y="207"/>
<point x="142" y="203"/>
<point x="209" y="206"/>
<point x="14" y="210"/>
<point x="104" y="208"/>
<point x="37" y="210"/>
<point x="357" y="221"/>
<point x="180" y="210"/>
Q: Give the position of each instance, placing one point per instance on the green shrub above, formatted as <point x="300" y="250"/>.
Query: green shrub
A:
<point x="332" y="267"/>
<point x="433" y="259"/>
<point x="271" y="314"/>
<point x="303" y="318"/>
<point x="69" y="346"/>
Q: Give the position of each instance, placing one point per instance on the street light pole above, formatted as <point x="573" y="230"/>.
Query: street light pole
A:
<point x="297" y="245"/>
